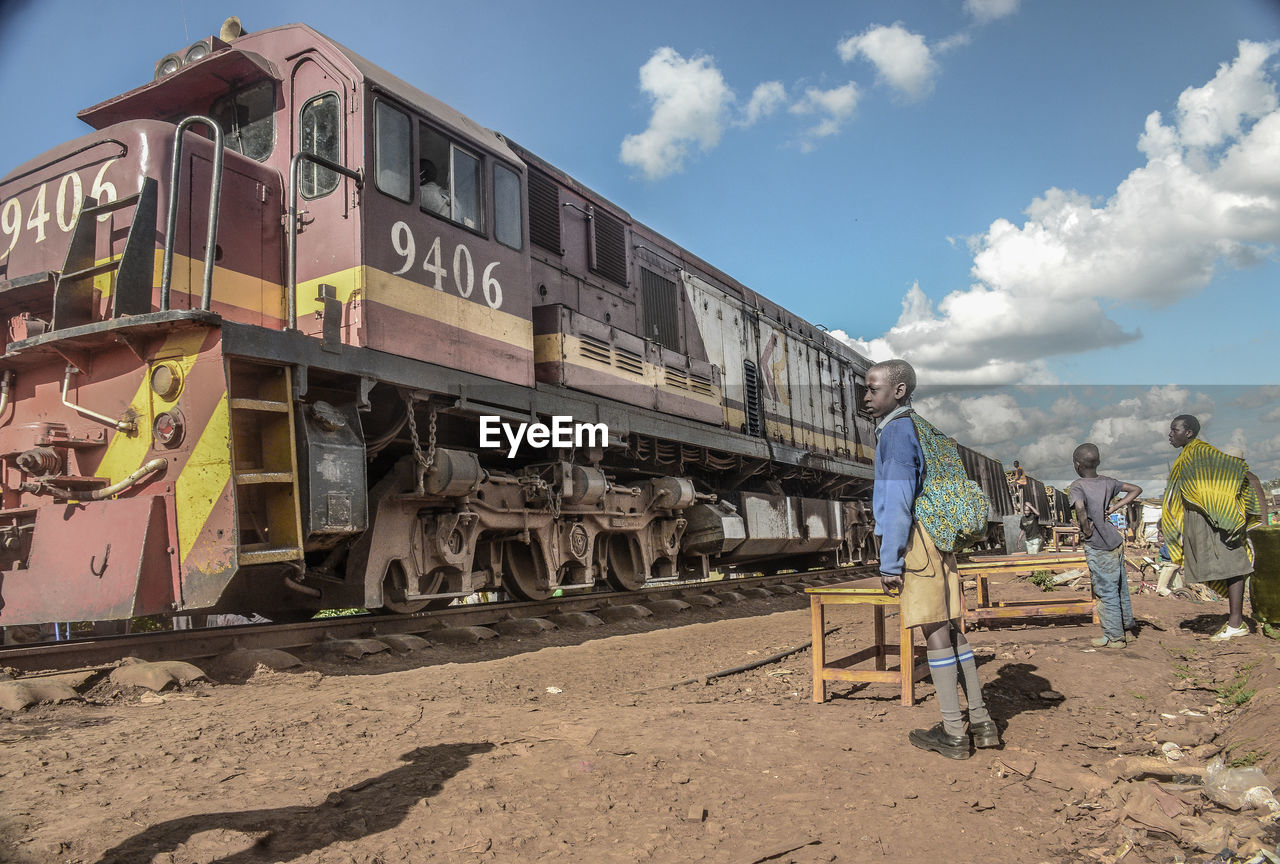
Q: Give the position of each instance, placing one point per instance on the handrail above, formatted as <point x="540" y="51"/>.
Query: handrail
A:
<point x="215" y="197"/>
<point x="128" y="426"/>
<point x="291" y="290"/>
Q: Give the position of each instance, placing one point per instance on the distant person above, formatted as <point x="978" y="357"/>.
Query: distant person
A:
<point x="1211" y="501"/>
<point x="1019" y="484"/>
<point x="1030" y="529"/>
<point x="918" y="532"/>
<point x="1094" y="499"/>
<point x="434" y="198"/>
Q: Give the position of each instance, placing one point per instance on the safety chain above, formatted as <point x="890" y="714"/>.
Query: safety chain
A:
<point x="424" y="461"/>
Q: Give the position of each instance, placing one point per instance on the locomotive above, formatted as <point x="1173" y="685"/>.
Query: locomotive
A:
<point x="287" y="333"/>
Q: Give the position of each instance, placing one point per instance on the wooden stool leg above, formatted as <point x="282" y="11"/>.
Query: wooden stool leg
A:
<point x="877" y="616"/>
<point x="819" y="648"/>
<point x="907" y="661"/>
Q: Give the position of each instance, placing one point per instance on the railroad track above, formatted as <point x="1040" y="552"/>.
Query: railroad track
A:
<point x="195" y="645"/>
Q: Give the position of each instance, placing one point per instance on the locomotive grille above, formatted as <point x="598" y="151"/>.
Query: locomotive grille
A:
<point x="611" y="248"/>
<point x="701" y="384"/>
<point x="628" y="361"/>
<point x="594" y="349"/>
<point x="751" y="399"/>
<point x="661" y="309"/>
<point x="677" y="379"/>
<point x="544" y="212"/>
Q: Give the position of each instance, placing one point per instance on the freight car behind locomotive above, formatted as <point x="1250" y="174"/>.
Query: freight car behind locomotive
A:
<point x="989" y="474"/>
<point x="359" y="350"/>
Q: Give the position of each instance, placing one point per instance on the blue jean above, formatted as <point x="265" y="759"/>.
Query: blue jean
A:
<point x="1106" y="570"/>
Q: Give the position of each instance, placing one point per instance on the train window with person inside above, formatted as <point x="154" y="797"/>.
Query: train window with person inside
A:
<point x="448" y="179"/>
<point x="507" y="210"/>
<point x="247" y="118"/>
<point x="320" y="125"/>
<point x="392" y="146"/>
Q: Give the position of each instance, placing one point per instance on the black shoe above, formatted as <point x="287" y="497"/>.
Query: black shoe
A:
<point x="937" y="739"/>
<point x="985" y="734"/>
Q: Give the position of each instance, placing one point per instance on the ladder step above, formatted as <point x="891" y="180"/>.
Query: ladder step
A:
<point x="105" y="267"/>
<point x="251" y="478"/>
<point x="109" y="206"/>
<point x="259" y="405"/>
<point x="265" y="553"/>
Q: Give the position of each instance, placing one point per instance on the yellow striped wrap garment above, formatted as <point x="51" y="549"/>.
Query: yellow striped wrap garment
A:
<point x="1214" y="483"/>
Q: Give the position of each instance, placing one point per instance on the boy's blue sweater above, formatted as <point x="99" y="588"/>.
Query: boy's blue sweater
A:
<point x="899" y="470"/>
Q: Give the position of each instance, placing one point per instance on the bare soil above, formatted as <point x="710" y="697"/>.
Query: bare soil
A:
<point x="568" y="746"/>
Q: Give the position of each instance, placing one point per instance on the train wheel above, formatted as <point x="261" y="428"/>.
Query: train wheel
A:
<point x="395" y="588"/>
<point x="625" y="568"/>
<point x="523" y="573"/>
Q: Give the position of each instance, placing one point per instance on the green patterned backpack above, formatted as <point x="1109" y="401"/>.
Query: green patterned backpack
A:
<point x="951" y="507"/>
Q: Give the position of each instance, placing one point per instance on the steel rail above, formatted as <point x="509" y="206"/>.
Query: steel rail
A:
<point x="203" y="643"/>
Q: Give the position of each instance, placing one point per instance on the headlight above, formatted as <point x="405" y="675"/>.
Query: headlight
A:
<point x="198" y="51"/>
<point x="167" y="65"/>
<point x="166" y="381"/>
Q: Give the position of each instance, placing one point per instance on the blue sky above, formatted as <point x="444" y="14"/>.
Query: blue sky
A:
<point x="981" y="186"/>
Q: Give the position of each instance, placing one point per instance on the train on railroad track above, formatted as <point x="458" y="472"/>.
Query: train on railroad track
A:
<point x="287" y="333"/>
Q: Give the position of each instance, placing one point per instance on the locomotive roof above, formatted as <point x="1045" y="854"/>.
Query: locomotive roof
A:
<point x="410" y="95"/>
<point x="261" y="54"/>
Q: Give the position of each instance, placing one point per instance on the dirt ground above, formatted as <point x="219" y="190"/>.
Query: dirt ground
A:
<point x="566" y="746"/>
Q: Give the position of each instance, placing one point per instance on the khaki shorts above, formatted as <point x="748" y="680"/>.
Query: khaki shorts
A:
<point x="930" y="582"/>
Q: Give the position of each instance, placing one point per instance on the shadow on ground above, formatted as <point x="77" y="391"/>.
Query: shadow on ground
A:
<point x="284" y="833"/>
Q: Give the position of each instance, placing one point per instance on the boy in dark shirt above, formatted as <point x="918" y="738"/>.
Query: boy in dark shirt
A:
<point x="1093" y="497"/>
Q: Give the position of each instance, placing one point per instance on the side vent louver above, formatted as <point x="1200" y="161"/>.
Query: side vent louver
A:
<point x="701" y="384"/>
<point x="544" y="212"/>
<point x="661" y="309"/>
<point x="676" y="378"/>
<point x="751" y="398"/>
<point x="611" y="248"/>
<point x="628" y="362"/>
<point x="595" y="349"/>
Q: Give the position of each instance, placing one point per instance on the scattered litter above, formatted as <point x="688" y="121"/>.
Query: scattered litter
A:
<point x="554" y="690"/>
<point x="1238" y="788"/>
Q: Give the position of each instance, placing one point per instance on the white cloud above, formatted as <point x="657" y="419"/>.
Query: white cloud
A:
<point x="1131" y="432"/>
<point x="690" y="106"/>
<point x="990" y="10"/>
<point x="1209" y="115"/>
<point x="1208" y="197"/>
<point x="834" y="107"/>
<point x="902" y="59"/>
<point x="765" y="99"/>
<point x="1272" y="416"/>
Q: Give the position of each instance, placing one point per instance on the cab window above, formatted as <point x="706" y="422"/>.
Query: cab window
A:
<point x="507" y="213"/>
<point x="392" y="151"/>
<point x="319" y="123"/>
<point x="448" y="179"/>
<point x="247" y="118"/>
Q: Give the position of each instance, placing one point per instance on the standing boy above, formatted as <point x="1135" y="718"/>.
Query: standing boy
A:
<point x="910" y="561"/>
<point x="1093" y="497"/>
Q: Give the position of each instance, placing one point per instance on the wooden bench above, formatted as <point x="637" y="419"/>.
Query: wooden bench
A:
<point x="981" y="568"/>
<point x="862" y="592"/>
<point x="1063" y="533"/>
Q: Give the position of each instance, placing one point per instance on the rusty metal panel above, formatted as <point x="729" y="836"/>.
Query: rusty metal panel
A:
<point x="333" y="452"/>
<point x="93" y="561"/>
